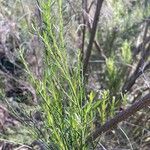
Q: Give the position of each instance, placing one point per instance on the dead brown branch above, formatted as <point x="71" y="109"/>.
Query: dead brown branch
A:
<point x="141" y="103"/>
<point x="141" y="67"/>
<point x="93" y="32"/>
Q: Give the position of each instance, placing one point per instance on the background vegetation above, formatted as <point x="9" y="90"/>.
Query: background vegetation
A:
<point x="75" y="74"/>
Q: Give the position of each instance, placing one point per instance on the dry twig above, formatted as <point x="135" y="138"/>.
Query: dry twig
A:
<point x="93" y="32"/>
<point x="143" y="102"/>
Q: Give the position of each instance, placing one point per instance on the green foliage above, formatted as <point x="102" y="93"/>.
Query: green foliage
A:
<point x="69" y="114"/>
<point x="113" y="75"/>
<point x="126" y="53"/>
<point x="103" y="107"/>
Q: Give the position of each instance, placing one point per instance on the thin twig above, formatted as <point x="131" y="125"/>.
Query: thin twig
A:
<point x="130" y="82"/>
<point x="90" y="6"/>
<point x="93" y="32"/>
<point x="84" y="6"/>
